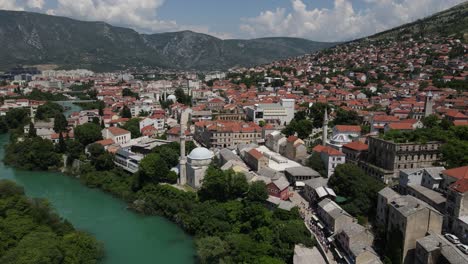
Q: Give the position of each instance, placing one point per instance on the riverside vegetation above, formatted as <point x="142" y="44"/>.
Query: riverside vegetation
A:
<point x="228" y="217"/>
<point x="30" y="232"/>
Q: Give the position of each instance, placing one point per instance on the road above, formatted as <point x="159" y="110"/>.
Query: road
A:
<point x="306" y="214"/>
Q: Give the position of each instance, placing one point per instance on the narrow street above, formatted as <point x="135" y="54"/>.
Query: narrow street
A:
<point x="306" y="214"/>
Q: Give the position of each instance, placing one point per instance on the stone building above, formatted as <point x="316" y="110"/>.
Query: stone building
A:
<point x="386" y="158"/>
<point x="255" y="159"/>
<point x="333" y="216"/>
<point x="295" y="149"/>
<point x="356" y="242"/>
<point x="227" y="134"/>
<point x="198" y="162"/>
<point x="409" y="216"/>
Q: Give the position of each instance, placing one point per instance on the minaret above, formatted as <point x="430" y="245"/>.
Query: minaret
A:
<point x="325" y="128"/>
<point x="428" y="104"/>
<point x="31" y="114"/>
<point x="183" y="158"/>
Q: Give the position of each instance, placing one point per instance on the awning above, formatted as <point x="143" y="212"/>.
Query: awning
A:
<point x="320" y="225"/>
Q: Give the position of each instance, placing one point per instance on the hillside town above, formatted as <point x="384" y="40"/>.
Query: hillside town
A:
<point x="390" y="113"/>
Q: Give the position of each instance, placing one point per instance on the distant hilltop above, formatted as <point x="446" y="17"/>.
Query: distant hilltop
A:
<point x="31" y="38"/>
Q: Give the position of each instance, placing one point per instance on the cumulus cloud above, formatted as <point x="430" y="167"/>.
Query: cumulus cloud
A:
<point x="342" y="22"/>
<point x="39" y="4"/>
<point x="10" y="5"/>
<point x="140" y="15"/>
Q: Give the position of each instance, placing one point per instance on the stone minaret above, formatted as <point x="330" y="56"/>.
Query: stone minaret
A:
<point x="183" y="158"/>
<point x="325" y="128"/>
<point x="31" y="114"/>
<point x="428" y="105"/>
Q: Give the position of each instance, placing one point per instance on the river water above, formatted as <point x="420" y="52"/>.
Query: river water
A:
<point x="128" y="238"/>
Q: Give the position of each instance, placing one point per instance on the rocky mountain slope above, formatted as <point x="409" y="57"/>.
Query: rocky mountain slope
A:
<point x="32" y="38"/>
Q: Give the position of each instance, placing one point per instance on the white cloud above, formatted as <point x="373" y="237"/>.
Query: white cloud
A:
<point x="10" y="5"/>
<point x="342" y="22"/>
<point x="39" y="4"/>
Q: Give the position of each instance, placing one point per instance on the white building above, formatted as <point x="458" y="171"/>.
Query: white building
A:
<point x="198" y="162"/>
<point x="119" y="135"/>
<point x="282" y="112"/>
<point x="330" y="157"/>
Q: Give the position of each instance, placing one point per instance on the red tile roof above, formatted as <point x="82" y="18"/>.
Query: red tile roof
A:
<point x="459" y="173"/>
<point x="117" y="131"/>
<point x="105" y="142"/>
<point x="256" y="154"/>
<point x="460" y="186"/>
<point x="400" y="126"/>
<point x="292" y="138"/>
<point x="356" y="145"/>
<point x="347" y="128"/>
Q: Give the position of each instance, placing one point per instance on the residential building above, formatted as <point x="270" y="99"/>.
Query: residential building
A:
<point x="281" y="113"/>
<point x="117" y="134"/>
<point x="279" y="188"/>
<point x="409" y="216"/>
<point x="330" y="157"/>
<point x="226" y="134"/>
<point x="333" y="216"/>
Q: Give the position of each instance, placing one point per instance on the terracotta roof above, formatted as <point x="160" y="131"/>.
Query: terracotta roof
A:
<point x="256" y="154"/>
<point x="459" y="173"/>
<point x="356" y="145"/>
<point x="117" y="131"/>
<point x="329" y="150"/>
<point x="460" y="186"/>
<point x="400" y="126"/>
<point x="385" y="118"/>
<point x="347" y="128"/>
<point x="292" y="138"/>
<point x="105" y="142"/>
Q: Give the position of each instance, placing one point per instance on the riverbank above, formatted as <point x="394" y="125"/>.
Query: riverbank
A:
<point x="127" y="237"/>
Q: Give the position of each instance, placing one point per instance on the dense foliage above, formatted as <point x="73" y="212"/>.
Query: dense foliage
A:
<point x="315" y="162"/>
<point x="455" y="138"/>
<point x="39" y="95"/>
<point x="133" y="125"/>
<point x="32" y="233"/>
<point x="48" y="110"/>
<point x="88" y="133"/>
<point x="358" y="188"/>
<point x="33" y="154"/>
<point x="231" y="211"/>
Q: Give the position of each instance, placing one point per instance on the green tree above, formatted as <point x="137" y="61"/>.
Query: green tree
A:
<point x="430" y="121"/>
<point x="257" y="191"/>
<point x="60" y="123"/>
<point x="126" y="113"/>
<point x="223" y="185"/>
<point x="3" y="125"/>
<point x="315" y="162"/>
<point x="153" y="168"/>
<point x="17" y="117"/>
<point x="61" y="146"/>
<point x="344" y="117"/>
<point x="359" y="188"/>
<point x="211" y="249"/>
<point x="133" y="125"/>
<point x="32" y="153"/>
<point x="79" y="247"/>
<point x="32" y="130"/>
<point x="88" y="133"/>
<point x="48" y="110"/>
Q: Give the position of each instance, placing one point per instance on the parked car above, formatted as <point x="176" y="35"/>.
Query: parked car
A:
<point x="463" y="248"/>
<point x="452" y="238"/>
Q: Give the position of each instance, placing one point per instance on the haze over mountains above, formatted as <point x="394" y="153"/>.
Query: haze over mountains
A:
<point x="32" y="38"/>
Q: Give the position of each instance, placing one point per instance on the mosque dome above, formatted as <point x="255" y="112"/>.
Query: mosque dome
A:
<point x="172" y="98"/>
<point x="200" y="153"/>
<point x="340" y="139"/>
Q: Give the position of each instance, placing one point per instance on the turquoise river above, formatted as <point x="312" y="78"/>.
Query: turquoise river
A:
<point x="128" y="238"/>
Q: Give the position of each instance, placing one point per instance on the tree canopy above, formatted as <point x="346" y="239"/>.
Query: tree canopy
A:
<point x="33" y="233"/>
<point x="88" y="133"/>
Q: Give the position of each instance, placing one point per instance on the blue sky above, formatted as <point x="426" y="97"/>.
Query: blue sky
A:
<point x="320" y="20"/>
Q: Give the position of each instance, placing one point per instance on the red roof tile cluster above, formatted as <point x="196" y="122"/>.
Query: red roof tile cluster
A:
<point x="117" y="131"/>
<point x="348" y="128"/>
<point x="459" y="173"/>
<point x="328" y="150"/>
<point x="356" y="145"/>
<point x="256" y="154"/>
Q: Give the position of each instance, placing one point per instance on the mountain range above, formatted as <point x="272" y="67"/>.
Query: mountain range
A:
<point x="36" y="39"/>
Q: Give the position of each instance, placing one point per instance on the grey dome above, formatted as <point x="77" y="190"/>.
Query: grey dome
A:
<point x="200" y="153"/>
